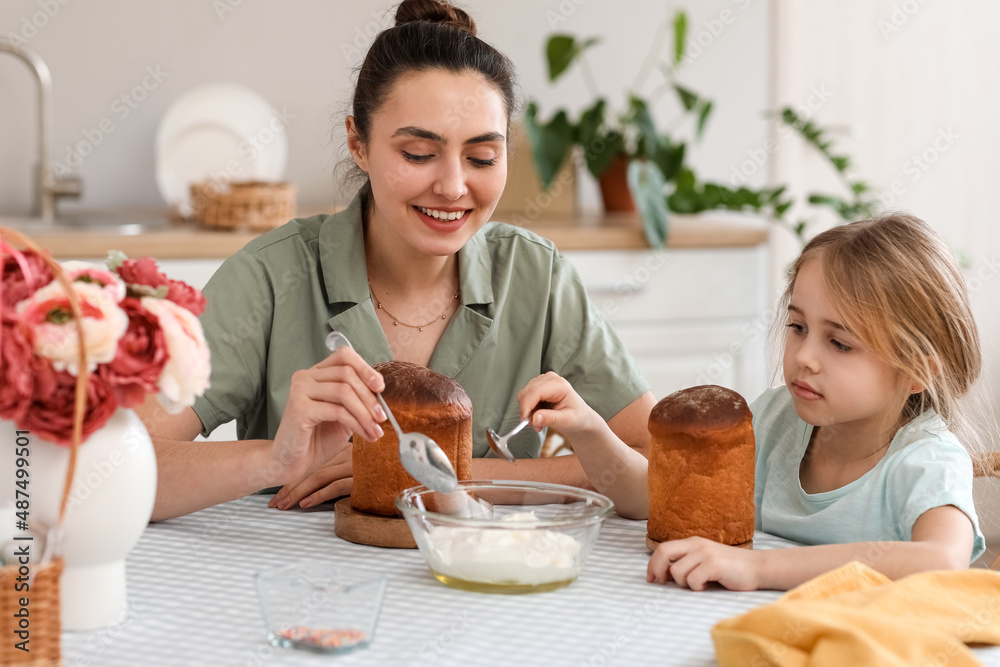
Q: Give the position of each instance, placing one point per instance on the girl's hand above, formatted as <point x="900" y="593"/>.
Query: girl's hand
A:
<point x="569" y="415"/>
<point x="326" y="404"/>
<point x="695" y="561"/>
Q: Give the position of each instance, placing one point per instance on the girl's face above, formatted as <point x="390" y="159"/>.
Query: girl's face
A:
<point x="833" y="379"/>
<point x="437" y="160"/>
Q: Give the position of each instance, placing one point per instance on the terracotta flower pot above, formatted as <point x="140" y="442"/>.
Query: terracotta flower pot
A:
<point x="614" y="187"/>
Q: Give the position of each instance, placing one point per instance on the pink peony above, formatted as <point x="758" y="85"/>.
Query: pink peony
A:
<point x="188" y="368"/>
<point x="109" y="282"/>
<point x="142" y="271"/>
<point x="16" y="284"/>
<point x="145" y="272"/>
<point x="50" y="415"/>
<point x="186" y="296"/>
<point x="48" y="314"/>
<point x="18" y="367"/>
<point x="142" y="354"/>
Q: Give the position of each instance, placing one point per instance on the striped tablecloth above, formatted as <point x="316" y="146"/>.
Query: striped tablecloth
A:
<point x="192" y="602"/>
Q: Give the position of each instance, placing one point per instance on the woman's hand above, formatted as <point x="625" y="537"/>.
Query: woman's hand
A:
<point x="695" y="561"/>
<point x="569" y="415"/>
<point x="331" y="480"/>
<point x="326" y="404"/>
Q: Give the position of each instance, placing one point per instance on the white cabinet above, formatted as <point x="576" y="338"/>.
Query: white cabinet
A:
<point x="688" y="316"/>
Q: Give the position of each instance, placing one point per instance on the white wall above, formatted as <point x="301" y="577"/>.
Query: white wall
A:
<point x="912" y="90"/>
<point x="299" y="54"/>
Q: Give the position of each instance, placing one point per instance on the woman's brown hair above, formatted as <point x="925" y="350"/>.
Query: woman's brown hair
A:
<point x="429" y="34"/>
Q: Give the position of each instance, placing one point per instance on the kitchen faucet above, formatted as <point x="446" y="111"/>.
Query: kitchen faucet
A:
<point x="48" y="186"/>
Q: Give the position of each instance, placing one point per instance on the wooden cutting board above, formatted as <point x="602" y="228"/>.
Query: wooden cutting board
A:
<point x="371" y="529"/>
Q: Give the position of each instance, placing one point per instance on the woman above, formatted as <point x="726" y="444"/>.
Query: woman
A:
<point x="410" y="271"/>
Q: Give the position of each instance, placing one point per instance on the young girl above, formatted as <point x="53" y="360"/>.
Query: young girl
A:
<point x="854" y="453"/>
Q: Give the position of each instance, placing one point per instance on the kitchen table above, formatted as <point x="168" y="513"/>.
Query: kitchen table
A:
<point x="192" y="601"/>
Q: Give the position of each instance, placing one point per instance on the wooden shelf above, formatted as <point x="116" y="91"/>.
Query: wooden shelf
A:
<point x="580" y="232"/>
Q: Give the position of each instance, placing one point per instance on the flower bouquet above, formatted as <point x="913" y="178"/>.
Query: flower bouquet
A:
<point x="141" y="335"/>
<point x="81" y="344"/>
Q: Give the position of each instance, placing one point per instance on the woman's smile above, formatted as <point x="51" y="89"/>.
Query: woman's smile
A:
<point x="443" y="219"/>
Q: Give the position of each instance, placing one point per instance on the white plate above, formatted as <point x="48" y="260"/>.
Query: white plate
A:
<point x="224" y="131"/>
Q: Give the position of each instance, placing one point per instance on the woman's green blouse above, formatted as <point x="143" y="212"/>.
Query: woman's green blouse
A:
<point x="524" y="311"/>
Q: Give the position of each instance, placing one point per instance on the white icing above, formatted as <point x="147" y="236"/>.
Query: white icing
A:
<point x="503" y="555"/>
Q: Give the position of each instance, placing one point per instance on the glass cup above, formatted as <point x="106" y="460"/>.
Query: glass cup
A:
<point x="320" y="606"/>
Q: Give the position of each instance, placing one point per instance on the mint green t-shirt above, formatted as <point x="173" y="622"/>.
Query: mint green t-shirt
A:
<point x="524" y="311"/>
<point x="925" y="467"/>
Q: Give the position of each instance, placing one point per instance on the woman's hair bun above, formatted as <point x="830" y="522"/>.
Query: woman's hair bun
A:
<point x="436" y="11"/>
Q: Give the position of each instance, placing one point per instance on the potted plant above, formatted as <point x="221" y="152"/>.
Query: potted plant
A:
<point x="640" y="168"/>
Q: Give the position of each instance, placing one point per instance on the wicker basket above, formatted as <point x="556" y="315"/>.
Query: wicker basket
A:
<point x="43" y="578"/>
<point x="253" y="205"/>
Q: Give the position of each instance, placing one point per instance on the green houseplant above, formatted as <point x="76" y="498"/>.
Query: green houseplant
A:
<point x="622" y="146"/>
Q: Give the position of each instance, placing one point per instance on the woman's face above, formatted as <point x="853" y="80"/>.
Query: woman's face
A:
<point x="437" y="160"/>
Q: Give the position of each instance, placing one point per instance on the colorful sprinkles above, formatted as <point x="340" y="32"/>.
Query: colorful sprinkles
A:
<point x="323" y="638"/>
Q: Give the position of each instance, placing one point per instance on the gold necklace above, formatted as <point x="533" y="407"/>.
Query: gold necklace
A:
<point x="419" y="327"/>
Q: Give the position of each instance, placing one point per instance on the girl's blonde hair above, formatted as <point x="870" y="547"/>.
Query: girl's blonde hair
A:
<point x="898" y="288"/>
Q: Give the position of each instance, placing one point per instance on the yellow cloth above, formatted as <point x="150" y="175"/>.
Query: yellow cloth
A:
<point x="855" y="616"/>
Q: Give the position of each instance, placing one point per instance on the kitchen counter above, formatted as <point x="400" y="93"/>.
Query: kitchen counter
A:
<point x="580" y="232"/>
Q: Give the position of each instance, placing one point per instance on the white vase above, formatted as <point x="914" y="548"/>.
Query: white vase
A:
<point x="109" y="506"/>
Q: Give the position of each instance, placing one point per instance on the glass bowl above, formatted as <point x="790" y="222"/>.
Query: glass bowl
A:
<point x="519" y="537"/>
<point x="320" y="606"/>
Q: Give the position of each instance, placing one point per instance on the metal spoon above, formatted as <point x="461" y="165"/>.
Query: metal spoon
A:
<point x="498" y="443"/>
<point x="421" y="456"/>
